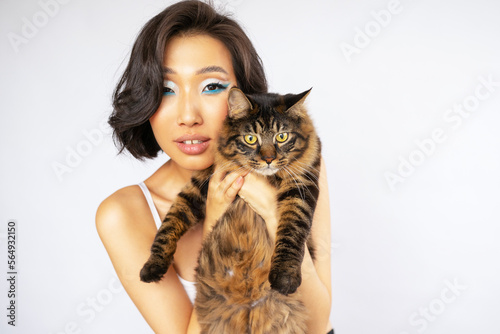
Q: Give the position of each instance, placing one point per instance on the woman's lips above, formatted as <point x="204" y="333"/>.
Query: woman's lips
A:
<point x="192" y="144"/>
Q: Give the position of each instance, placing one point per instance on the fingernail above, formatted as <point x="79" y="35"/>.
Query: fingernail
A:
<point x="239" y="180"/>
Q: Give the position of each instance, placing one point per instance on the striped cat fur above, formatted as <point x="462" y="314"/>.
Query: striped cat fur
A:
<point x="246" y="283"/>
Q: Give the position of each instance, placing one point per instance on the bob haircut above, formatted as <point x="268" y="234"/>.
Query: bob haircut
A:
<point x="140" y="90"/>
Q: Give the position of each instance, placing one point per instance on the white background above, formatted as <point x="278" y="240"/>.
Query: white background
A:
<point x="395" y="251"/>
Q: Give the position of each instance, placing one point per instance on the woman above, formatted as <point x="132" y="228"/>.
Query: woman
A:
<point x="172" y="97"/>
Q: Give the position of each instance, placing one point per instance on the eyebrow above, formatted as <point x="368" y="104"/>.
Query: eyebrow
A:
<point x="207" y="69"/>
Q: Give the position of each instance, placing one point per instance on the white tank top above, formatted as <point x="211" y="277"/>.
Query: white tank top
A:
<point x="188" y="285"/>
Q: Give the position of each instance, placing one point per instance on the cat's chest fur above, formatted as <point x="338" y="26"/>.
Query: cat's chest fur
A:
<point x="238" y="255"/>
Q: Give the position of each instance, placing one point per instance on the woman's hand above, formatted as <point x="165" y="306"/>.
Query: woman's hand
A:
<point x="261" y="196"/>
<point x="222" y="191"/>
<point x="252" y="188"/>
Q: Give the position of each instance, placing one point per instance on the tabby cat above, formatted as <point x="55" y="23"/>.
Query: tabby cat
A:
<point x="245" y="284"/>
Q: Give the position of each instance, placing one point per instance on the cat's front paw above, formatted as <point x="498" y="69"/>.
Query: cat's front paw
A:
<point x="285" y="280"/>
<point x="154" y="269"/>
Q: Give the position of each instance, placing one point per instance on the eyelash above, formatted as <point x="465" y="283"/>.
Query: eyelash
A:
<point x="219" y="87"/>
<point x="168" y="91"/>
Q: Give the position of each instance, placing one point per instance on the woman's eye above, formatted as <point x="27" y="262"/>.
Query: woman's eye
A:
<point x="168" y="88"/>
<point x="250" y="139"/>
<point x="215" y="88"/>
<point x="282" y="137"/>
<point x="168" y="91"/>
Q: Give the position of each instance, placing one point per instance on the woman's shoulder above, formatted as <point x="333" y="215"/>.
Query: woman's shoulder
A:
<point x="121" y="210"/>
<point x="121" y="202"/>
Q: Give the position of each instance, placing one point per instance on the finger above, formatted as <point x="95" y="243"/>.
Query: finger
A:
<point x="219" y="174"/>
<point x="254" y="182"/>
<point x="244" y="172"/>
<point x="229" y="181"/>
<point x="235" y="187"/>
<point x="216" y="179"/>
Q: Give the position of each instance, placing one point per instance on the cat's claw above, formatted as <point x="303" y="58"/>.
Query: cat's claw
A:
<point x="153" y="270"/>
<point x="285" y="281"/>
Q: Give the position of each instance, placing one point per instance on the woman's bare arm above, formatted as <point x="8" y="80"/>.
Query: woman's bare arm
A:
<point x="127" y="234"/>
<point x="316" y="287"/>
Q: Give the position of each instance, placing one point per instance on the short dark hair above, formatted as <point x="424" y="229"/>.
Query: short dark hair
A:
<point x="139" y="92"/>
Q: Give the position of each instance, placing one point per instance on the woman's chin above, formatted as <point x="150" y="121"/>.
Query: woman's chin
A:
<point x="196" y="163"/>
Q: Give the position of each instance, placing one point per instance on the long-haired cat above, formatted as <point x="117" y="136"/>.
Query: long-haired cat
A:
<point x="245" y="282"/>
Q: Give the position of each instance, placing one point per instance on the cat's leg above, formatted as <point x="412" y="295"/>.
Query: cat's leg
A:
<point x="187" y="210"/>
<point x="296" y="210"/>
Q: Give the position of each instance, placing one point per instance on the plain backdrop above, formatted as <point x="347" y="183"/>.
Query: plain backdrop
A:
<point x="406" y="97"/>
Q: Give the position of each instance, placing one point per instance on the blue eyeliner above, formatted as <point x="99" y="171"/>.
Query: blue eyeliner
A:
<point x="167" y="93"/>
<point x="168" y="88"/>
<point x="220" y="88"/>
<point x="216" y="87"/>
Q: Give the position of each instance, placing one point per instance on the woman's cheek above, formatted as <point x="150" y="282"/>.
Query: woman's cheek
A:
<point x="219" y="110"/>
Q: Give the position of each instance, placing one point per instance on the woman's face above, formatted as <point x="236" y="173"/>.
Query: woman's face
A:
<point x="198" y="74"/>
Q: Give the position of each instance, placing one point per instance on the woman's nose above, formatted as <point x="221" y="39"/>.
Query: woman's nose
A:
<point x="189" y="111"/>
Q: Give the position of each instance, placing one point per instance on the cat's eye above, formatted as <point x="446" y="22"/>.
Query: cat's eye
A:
<point x="282" y="137"/>
<point x="250" y="139"/>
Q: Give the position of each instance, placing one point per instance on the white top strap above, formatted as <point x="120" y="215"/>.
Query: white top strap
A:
<point x="151" y="204"/>
<point x="190" y="287"/>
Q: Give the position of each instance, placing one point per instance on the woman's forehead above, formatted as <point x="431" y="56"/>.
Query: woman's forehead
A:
<point x="197" y="54"/>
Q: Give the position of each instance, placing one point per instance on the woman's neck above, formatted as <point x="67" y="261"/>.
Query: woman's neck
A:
<point x="181" y="174"/>
<point x="168" y="180"/>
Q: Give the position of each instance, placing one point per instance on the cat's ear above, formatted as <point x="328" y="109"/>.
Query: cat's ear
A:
<point x="238" y="104"/>
<point x="294" y="102"/>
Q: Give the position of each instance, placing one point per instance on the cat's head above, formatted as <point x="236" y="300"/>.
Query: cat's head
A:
<point x="268" y="133"/>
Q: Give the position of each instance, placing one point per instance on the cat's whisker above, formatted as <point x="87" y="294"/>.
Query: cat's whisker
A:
<point x="310" y="175"/>
<point x="307" y="173"/>
<point x="297" y="175"/>
<point x="304" y="187"/>
<point x="313" y="182"/>
<point x="304" y="164"/>
<point x="223" y="166"/>
<point x="293" y="176"/>
<point x="308" y="168"/>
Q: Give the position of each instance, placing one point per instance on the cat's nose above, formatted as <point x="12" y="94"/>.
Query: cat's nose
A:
<point x="269" y="158"/>
<point x="268" y="154"/>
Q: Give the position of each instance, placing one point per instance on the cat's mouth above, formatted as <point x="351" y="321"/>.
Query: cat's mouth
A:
<point x="268" y="170"/>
